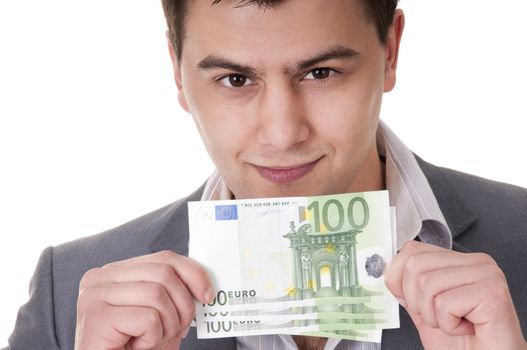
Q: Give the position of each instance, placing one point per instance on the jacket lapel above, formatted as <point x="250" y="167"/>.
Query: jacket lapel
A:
<point x="174" y="233"/>
<point x="405" y="337"/>
<point x="458" y="214"/>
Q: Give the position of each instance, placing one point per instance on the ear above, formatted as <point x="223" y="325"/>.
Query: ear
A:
<point x="177" y="72"/>
<point x="392" y="49"/>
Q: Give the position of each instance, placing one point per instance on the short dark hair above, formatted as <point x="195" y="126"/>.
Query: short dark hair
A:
<point x="380" y="11"/>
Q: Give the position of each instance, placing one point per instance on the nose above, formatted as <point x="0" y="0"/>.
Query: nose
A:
<point x="283" y="123"/>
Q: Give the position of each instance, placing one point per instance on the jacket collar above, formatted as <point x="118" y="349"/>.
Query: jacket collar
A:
<point x="174" y="233"/>
<point x="458" y="214"/>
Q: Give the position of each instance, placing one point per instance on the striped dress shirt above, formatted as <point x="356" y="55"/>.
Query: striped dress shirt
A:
<point x="417" y="215"/>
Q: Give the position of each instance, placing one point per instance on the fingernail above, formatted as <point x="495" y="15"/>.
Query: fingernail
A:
<point x="402" y="302"/>
<point x="209" y="295"/>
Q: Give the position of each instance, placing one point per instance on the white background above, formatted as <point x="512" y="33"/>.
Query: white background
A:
<point x="91" y="134"/>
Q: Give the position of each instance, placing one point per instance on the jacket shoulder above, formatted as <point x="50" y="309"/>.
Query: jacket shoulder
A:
<point x="495" y="204"/>
<point x="121" y="242"/>
<point x="71" y="260"/>
<point x="484" y="189"/>
<point x="127" y="240"/>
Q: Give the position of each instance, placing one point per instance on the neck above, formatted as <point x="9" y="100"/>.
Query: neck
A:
<point x="371" y="176"/>
<point x="309" y="343"/>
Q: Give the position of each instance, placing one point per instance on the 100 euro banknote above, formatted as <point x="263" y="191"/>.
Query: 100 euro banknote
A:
<point x="296" y="265"/>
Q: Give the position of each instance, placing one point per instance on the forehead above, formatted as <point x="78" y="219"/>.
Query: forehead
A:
<point x="290" y="29"/>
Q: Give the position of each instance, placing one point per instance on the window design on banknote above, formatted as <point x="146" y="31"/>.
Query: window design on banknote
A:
<point x="325" y="265"/>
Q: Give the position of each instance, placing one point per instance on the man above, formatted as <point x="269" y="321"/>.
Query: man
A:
<point x="286" y="96"/>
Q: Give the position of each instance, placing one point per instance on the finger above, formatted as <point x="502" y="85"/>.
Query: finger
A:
<point x="432" y="283"/>
<point x="144" y="324"/>
<point x="418" y="264"/>
<point x="426" y="331"/>
<point x="408" y="259"/>
<point x="142" y="294"/>
<point x="189" y="271"/>
<point x="161" y="274"/>
<point x="110" y="327"/>
<point x="454" y="306"/>
<point x="394" y="274"/>
<point x="484" y="304"/>
<point x="484" y="308"/>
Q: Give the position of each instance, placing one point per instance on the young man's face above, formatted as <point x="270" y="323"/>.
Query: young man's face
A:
<point x="287" y="99"/>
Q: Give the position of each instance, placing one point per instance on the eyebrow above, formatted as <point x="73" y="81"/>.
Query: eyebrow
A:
<point x="215" y="62"/>
<point x="336" y="52"/>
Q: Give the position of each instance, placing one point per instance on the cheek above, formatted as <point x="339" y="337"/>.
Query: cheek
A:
<point x="222" y="128"/>
<point x="348" y="116"/>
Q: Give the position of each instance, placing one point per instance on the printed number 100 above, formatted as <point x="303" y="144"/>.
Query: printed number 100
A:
<point x="340" y="217"/>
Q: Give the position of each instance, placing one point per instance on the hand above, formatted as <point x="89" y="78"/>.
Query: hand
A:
<point x="456" y="300"/>
<point x="145" y="302"/>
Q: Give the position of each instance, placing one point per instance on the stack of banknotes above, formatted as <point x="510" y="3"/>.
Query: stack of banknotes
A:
<point x="297" y="265"/>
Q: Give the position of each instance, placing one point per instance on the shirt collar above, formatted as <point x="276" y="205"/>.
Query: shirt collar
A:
<point x="215" y="188"/>
<point x="417" y="211"/>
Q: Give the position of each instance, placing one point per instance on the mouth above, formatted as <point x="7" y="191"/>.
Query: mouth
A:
<point x="286" y="174"/>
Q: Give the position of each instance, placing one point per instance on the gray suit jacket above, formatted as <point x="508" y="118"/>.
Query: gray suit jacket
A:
<point x="484" y="216"/>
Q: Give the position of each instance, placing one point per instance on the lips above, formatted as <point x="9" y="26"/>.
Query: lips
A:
<point x="286" y="175"/>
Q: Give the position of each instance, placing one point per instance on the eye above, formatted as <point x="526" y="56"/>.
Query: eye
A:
<point x="319" y="74"/>
<point x="234" y="81"/>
